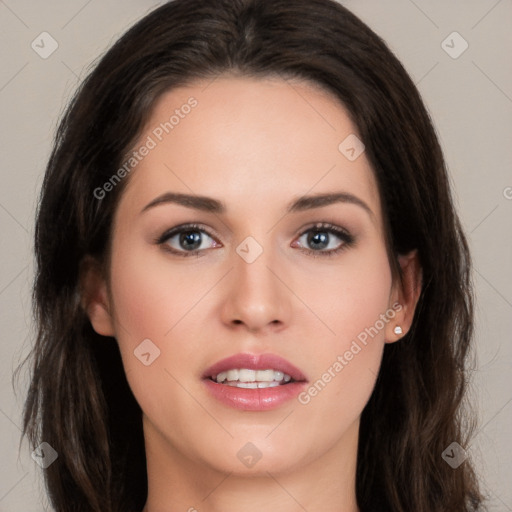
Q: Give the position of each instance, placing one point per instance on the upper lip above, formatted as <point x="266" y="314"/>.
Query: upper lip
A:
<point x="255" y="362"/>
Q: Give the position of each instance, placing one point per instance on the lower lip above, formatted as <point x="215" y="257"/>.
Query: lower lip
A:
<point x="258" y="399"/>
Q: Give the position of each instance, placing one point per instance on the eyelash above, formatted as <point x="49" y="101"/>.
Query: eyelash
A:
<point x="319" y="227"/>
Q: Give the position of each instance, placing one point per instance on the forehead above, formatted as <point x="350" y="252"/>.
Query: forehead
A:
<point x="248" y="141"/>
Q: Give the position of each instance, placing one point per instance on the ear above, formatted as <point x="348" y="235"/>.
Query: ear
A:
<point x="94" y="296"/>
<point x="404" y="296"/>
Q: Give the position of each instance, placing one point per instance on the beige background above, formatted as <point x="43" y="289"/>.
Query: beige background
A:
<point x="470" y="99"/>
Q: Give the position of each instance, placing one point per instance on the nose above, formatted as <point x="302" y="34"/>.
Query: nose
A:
<point x="256" y="297"/>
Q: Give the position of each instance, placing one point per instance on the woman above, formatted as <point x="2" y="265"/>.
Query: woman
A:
<point x="252" y="287"/>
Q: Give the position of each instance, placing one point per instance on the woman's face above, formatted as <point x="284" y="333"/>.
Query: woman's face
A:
<point x="268" y="268"/>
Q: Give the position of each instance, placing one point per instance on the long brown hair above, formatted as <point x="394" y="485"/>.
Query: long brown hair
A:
<point x="79" y="400"/>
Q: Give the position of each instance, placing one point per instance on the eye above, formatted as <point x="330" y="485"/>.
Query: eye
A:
<point x="187" y="240"/>
<point x="325" y="239"/>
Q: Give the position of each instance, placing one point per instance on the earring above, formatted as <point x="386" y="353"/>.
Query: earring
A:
<point x="398" y="330"/>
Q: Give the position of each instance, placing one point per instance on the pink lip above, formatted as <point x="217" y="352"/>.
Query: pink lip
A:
<point x="259" y="399"/>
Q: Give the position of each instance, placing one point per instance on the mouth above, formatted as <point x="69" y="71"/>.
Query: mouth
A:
<point x="254" y="382"/>
<point x="252" y="379"/>
<point x="254" y="369"/>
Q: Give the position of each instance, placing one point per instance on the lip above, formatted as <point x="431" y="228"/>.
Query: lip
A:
<point x="259" y="399"/>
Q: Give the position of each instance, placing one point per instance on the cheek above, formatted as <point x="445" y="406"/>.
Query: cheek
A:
<point x="352" y="295"/>
<point x="353" y="303"/>
<point x="151" y="296"/>
<point x="153" y="303"/>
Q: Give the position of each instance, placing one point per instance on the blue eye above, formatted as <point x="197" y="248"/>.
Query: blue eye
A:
<point x="190" y="239"/>
<point x="323" y="239"/>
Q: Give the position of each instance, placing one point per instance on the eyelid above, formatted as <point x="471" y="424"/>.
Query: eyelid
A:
<point x="188" y="226"/>
<point x="326" y="226"/>
<point x="176" y="230"/>
<point x="348" y="240"/>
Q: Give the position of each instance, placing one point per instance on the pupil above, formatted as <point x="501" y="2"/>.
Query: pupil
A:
<point x="190" y="240"/>
<point x="321" y="239"/>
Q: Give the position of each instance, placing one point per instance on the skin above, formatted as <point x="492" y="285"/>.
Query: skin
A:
<point x="255" y="145"/>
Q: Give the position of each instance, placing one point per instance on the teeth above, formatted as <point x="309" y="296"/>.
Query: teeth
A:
<point x="268" y="384"/>
<point x="252" y="385"/>
<point x="279" y="376"/>
<point x="246" y="375"/>
<point x="252" y="379"/>
<point x="232" y="375"/>
<point x="221" y="377"/>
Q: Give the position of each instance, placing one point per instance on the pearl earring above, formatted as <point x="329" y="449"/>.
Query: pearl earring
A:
<point x="398" y="330"/>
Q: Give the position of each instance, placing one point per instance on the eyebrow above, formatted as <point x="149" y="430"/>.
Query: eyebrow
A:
<point x="303" y="203"/>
